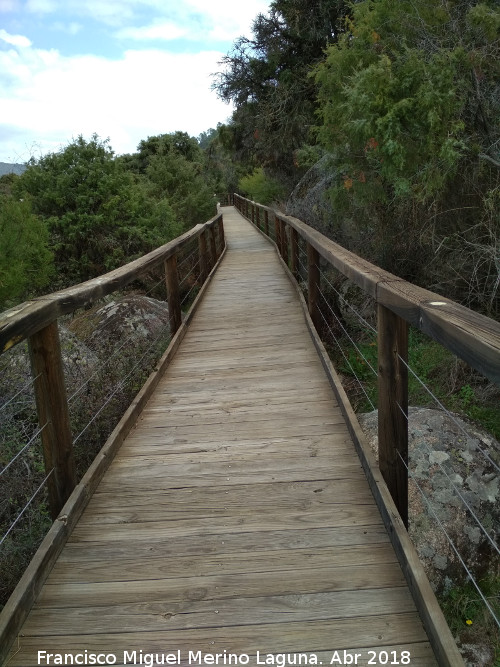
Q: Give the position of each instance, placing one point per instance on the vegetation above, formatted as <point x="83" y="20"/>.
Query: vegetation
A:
<point x="25" y="261"/>
<point x="403" y="98"/>
<point x="77" y="213"/>
<point x="261" y="188"/>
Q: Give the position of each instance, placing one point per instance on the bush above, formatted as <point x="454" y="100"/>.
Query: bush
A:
<point x="261" y="188"/>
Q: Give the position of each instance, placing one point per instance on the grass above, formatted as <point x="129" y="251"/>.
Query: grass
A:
<point x="468" y="617"/>
<point x="458" y="387"/>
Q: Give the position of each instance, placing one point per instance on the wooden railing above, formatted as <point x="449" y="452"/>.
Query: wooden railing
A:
<point x="469" y="335"/>
<point x="37" y="321"/>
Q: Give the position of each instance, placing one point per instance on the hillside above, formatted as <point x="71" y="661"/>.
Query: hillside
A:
<point x="8" y="168"/>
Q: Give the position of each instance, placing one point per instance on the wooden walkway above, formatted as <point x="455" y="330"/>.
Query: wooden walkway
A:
<point x="236" y="516"/>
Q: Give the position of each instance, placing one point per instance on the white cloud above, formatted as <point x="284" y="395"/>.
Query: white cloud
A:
<point x="229" y="19"/>
<point x="41" y="6"/>
<point x="15" y="40"/>
<point x="8" y="5"/>
<point x="144" y="93"/>
<point x="72" y="28"/>
<point x="158" y="30"/>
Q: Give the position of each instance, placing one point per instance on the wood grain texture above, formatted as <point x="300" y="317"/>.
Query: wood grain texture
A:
<point x="473" y="337"/>
<point x="236" y="515"/>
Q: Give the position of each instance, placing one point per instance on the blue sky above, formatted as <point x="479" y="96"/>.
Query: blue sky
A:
<point x="126" y="69"/>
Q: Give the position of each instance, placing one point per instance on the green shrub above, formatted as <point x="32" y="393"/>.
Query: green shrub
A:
<point x="260" y="187"/>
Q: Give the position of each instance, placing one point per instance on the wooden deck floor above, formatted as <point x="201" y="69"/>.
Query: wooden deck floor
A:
<point x="236" y="516"/>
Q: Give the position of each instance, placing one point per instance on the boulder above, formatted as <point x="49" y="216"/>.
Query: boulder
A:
<point x="134" y="320"/>
<point x="452" y="464"/>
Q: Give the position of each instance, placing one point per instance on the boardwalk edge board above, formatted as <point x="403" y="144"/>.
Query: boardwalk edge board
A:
<point x="22" y="599"/>
<point x="441" y="639"/>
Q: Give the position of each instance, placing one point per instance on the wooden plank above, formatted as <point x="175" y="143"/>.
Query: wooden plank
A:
<point x="175" y="567"/>
<point x="261" y="515"/>
<point x="438" y="631"/>
<point x="301" y="537"/>
<point x="239" y="500"/>
<point x="190" y="614"/>
<point x="222" y="586"/>
<point x="471" y="336"/>
<point x="17" y="607"/>
<point x="285" y="638"/>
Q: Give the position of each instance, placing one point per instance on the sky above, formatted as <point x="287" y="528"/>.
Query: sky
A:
<point x="124" y="69"/>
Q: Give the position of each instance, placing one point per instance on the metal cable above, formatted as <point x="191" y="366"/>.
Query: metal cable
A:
<point x="185" y="259"/>
<point x="436" y="399"/>
<point x="117" y="388"/>
<point x="26" y="446"/>
<point x="469" y="574"/>
<point x="112" y="356"/>
<point x="26" y="507"/>
<point x="188" y="294"/>
<point x="187" y="276"/>
<point x="2" y="407"/>
<point x="360" y="317"/>
<point x="347" y="334"/>
<point x="347" y="360"/>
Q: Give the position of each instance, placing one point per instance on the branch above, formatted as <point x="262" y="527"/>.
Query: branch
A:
<point x="483" y="156"/>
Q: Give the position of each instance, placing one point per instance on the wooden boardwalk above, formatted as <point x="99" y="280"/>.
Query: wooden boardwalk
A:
<point x="236" y="516"/>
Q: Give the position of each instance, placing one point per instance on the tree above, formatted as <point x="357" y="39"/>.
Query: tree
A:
<point x="409" y="108"/>
<point x="98" y="216"/>
<point x="25" y="261"/>
<point x="267" y="77"/>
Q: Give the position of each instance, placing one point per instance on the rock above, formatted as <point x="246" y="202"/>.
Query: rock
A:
<point x="135" y="320"/>
<point x="449" y="463"/>
<point x="79" y="363"/>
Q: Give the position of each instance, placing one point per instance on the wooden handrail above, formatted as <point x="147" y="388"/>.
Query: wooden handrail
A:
<point x="22" y="321"/>
<point x="36" y="321"/>
<point x="469" y="335"/>
<point x="473" y="337"/>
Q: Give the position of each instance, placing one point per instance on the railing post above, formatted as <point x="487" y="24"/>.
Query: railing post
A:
<point x="257" y="218"/>
<point x="202" y="252"/>
<point x="284" y="242"/>
<point x="393" y="406"/>
<point x="222" y="240"/>
<point x="266" y="222"/>
<point x="173" y="297"/>
<point x="277" y="231"/>
<point x="294" y="251"/>
<point x="213" y="246"/>
<point x="313" y="278"/>
<point x="53" y="417"/>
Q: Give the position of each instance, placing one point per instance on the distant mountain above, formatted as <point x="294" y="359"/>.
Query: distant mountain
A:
<point x="7" y="168"/>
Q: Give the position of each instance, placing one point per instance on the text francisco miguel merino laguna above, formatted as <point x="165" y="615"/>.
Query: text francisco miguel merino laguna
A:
<point x="341" y="657"/>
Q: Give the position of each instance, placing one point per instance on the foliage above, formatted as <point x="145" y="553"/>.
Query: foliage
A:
<point x="25" y="260"/>
<point x="174" y="167"/>
<point x="267" y="78"/>
<point x="260" y="187"/>
<point x="99" y="217"/>
<point x="409" y="105"/>
<point x="467" y="616"/>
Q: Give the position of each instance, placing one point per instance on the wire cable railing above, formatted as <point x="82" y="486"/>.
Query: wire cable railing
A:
<point x="103" y="373"/>
<point x="354" y="347"/>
